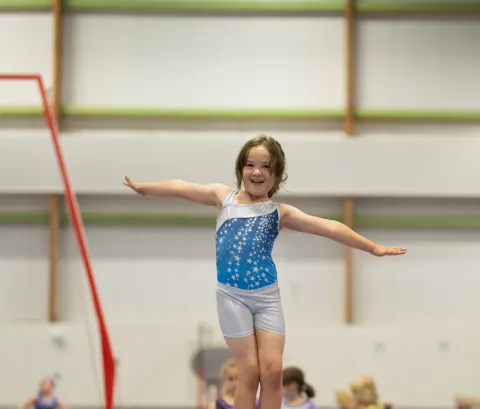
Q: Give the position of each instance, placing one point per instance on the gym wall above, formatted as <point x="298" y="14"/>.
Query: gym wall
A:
<point x="158" y="95"/>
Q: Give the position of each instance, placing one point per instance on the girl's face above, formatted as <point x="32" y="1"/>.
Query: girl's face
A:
<point x="356" y="391"/>
<point x="290" y="391"/>
<point x="230" y="381"/>
<point x="355" y="395"/>
<point x="257" y="179"/>
<point x="46" y="387"/>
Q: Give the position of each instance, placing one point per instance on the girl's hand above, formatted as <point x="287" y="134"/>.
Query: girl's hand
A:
<point x="134" y="186"/>
<point x="381" y="251"/>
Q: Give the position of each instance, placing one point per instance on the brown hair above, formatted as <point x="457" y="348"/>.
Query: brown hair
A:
<point x="277" y="161"/>
<point x="293" y="374"/>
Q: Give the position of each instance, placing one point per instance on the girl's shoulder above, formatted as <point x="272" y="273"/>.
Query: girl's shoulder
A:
<point x="307" y="404"/>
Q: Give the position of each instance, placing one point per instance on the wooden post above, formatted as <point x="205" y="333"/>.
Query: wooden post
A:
<point x="54" y="213"/>
<point x="54" y="223"/>
<point x="348" y="216"/>
<point x="348" y="126"/>
<point x="349" y="119"/>
<point x="57" y="58"/>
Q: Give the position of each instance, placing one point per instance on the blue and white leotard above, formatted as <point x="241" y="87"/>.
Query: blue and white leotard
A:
<point x="247" y="295"/>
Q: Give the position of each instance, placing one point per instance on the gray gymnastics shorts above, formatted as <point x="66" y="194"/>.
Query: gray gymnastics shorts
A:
<point x="241" y="311"/>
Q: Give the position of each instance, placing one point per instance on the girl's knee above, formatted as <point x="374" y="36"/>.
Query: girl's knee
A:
<point x="271" y="373"/>
<point x="249" y="374"/>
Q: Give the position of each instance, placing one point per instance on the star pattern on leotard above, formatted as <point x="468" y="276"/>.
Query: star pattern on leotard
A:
<point x="244" y="247"/>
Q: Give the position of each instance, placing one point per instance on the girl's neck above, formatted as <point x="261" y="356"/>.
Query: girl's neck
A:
<point x="229" y="398"/>
<point x="253" y="199"/>
<point x="296" y="400"/>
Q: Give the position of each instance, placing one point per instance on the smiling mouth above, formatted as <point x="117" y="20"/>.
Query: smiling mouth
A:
<point x="256" y="182"/>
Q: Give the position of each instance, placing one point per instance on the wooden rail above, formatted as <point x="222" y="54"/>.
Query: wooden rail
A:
<point x="54" y="200"/>
<point x="349" y="127"/>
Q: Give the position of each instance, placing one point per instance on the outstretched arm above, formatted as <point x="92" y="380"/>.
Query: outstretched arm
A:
<point x="28" y="403"/>
<point x="210" y="195"/>
<point x="294" y="219"/>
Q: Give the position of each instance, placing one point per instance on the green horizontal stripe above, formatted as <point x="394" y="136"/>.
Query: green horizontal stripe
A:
<point x="200" y="113"/>
<point x="28" y="219"/>
<point x="372" y="6"/>
<point x="25" y="4"/>
<point x="436" y="114"/>
<point x="107" y="112"/>
<point x="165" y="220"/>
<point x="232" y="6"/>
<point x="418" y="221"/>
<point x="199" y="220"/>
<point x="209" y="6"/>
<point x="21" y="110"/>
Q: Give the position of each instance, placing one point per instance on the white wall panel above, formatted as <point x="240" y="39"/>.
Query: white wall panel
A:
<point x="436" y="281"/>
<point x="26" y="47"/>
<point x="418" y="64"/>
<point x="23" y="273"/>
<point x="208" y="62"/>
<point x="143" y="273"/>
<point x="155" y="367"/>
<point x="330" y="165"/>
<point x="156" y="284"/>
<point x="23" y="263"/>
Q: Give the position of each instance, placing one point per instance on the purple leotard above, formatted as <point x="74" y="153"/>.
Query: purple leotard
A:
<point x="308" y="404"/>
<point x="41" y="403"/>
<point x="221" y="404"/>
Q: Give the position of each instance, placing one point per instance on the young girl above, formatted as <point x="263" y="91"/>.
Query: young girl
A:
<point x="296" y="392"/>
<point x="45" y="398"/>
<point x="364" y="395"/>
<point x="228" y="376"/>
<point x="248" y="299"/>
